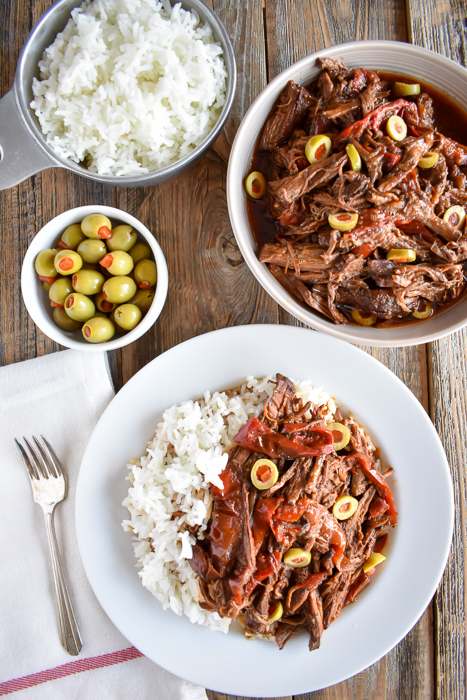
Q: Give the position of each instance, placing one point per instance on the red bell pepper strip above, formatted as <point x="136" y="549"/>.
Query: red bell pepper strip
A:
<point x="262" y="517"/>
<point x="230" y="482"/>
<point x="372" y="120"/>
<point x="380" y="544"/>
<point x="312" y="436"/>
<point x="44" y="278"/>
<point x="378" y="507"/>
<point x="390" y="160"/>
<point x="378" y="480"/>
<point x="364" y="250"/>
<point x="412" y="227"/>
<point x="257" y="437"/>
<point x="266" y="566"/>
<point x="313" y="581"/>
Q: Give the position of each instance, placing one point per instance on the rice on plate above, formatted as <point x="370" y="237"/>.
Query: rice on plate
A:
<point x="169" y="492"/>
<point x="130" y="86"/>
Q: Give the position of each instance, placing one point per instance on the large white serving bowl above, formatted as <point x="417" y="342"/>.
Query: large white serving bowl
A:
<point x="37" y="302"/>
<point x="390" y="56"/>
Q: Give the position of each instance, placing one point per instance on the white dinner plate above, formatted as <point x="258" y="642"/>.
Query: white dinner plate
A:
<point x="366" y="630"/>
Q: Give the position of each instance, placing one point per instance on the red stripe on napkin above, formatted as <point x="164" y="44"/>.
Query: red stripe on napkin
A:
<point x="78" y="666"/>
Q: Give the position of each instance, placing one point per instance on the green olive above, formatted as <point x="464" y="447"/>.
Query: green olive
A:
<point x="44" y="263"/>
<point x="340" y="435"/>
<point x="88" y="282"/>
<point x="255" y="185"/>
<point x="396" y="128"/>
<point x="63" y="321"/>
<point x="92" y="251"/>
<point x="354" y="157"/>
<point x="67" y="262"/>
<point x="127" y="316"/>
<point x="344" y="221"/>
<point x="71" y="237"/>
<point x="318" y="147"/>
<point x="297" y="557"/>
<point x="145" y="274"/>
<point x="118" y="290"/>
<point x="103" y="305"/>
<point x="275" y="611"/>
<point x="428" y="160"/>
<point x="344" y="507"/>
<point x="118" y="329"/>
<point x="264" y="474"/>
<point x="140" y="251"/>
<point x="123" y="237"/>
<point x="406" y="89"/>
<point x="143" y="298"/>
<point x="46" y="286"/>
<point x="455" y="216"/>
<point x="117" y="263"/>
<point x="363" y="318"/>
<point x="98" y="329"/>
<point x="79" y="307"/>
<point x="373" y="560"/>
<point x="401" y="255"/>
<point x="59" y="291"/>
<point x="424" y="311"/>
<point x="96" y="226"/>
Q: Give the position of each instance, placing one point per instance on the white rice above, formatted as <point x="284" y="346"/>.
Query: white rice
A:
<point x="170" y="488"/>
<point x="130" y="86"/>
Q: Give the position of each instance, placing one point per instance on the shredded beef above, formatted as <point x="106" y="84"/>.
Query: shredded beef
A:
<point x="292" y="105"/>
<point x="399" y="204"/>
<point x="243" y="562"/>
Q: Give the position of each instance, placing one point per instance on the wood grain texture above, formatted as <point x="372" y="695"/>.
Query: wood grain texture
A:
<point x="211" y="287"/>
<point x="441" y="26"/>
<point x="295" y="30"/>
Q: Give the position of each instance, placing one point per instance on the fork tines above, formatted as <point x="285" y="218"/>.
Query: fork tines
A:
<point x="42" y="462"/>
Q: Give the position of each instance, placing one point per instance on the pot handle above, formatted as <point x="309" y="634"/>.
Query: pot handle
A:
<point x="20" y="154"/>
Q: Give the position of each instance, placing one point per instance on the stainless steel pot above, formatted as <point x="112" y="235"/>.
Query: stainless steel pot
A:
<point x="23" y="149"/>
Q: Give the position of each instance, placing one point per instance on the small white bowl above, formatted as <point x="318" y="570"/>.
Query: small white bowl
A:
<point x="36" y="300"/>
<point x="391" y="57"/>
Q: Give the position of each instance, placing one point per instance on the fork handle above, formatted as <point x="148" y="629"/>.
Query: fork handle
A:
<point x="71" y="640"/>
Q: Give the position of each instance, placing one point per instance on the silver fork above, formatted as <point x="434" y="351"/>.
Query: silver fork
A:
<point x="49" y="488"/>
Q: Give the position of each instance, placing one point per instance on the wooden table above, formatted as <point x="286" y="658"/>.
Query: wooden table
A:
<point x="211" y="287"/>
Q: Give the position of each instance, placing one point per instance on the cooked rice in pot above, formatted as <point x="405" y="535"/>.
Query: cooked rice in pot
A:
<point x="130" y="86"/>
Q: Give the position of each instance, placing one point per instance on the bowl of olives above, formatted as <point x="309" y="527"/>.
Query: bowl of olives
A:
<point x="94" y="278"/>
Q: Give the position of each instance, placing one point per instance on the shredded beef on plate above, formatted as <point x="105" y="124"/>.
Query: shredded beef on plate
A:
<point x="247" y="562"/>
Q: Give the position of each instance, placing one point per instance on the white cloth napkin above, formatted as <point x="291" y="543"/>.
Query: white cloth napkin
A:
<point x="60" y="396"/>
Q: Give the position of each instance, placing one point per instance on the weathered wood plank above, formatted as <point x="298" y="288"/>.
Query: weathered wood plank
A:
<point x="449" y="413"/>
<point x="297" y="29"/>
<point x="441" y="26"/>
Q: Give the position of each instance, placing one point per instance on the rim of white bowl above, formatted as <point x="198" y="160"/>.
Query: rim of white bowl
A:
<point x="245" y="140"/>
<point x="32" y="291"/>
